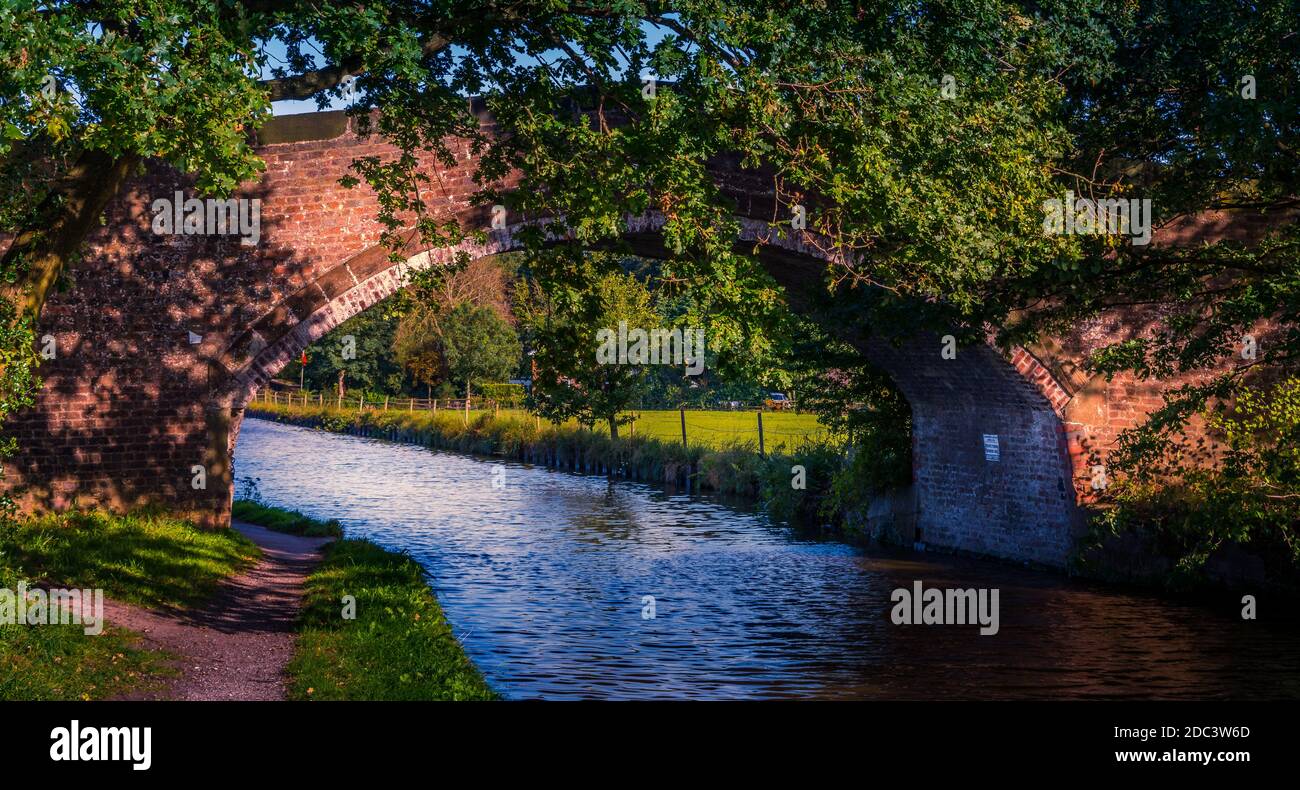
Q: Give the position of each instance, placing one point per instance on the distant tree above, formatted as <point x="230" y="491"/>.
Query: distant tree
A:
<point x="571" y="381"/>
<point x="479" y="346"/>
<point x="426" y="310"/>
<point x="417" y="348"/>
<point x="480" y="281"/>
<point x="426" y="367"/>
<point x="359" y="348"/>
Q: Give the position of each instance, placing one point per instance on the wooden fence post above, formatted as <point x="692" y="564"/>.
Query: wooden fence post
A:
<point x="761" y="453"/>
<point x="683" y="413"/>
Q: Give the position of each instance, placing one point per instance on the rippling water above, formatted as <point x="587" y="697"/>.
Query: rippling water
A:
<point x="542" y="576"/>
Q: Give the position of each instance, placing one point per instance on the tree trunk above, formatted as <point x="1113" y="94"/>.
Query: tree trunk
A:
<point x="613" y="427"/>
<point x="64" y="219"/>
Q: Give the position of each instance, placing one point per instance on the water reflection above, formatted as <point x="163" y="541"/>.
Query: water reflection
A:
<point x="544" y="580"/>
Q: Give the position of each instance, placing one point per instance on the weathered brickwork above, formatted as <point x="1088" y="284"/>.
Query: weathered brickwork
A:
<point x="130" y="407"/>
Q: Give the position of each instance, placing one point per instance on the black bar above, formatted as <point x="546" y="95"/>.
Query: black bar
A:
<point x="1046" y="741"/>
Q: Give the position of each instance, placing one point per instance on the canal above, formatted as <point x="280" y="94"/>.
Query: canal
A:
<point x="547" y="579"/>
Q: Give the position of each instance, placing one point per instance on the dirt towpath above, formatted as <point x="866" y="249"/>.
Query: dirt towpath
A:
<point x="237" y="645"/>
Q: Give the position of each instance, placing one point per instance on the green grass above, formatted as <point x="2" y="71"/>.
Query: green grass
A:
<point x="714" y="430"/>
<point x="398" y="647"/>
<point x="284" y="520"/>
<point x="60" y="662"/>
<point x="145" y="558"/>
<point x="782" y="430"/>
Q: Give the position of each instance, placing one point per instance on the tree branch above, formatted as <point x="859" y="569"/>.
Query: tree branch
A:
<point x="69" y="212"/>
<point x="310" y="83"/>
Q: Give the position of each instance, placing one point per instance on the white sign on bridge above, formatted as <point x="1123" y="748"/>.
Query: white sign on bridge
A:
<point x="992" y="452"/>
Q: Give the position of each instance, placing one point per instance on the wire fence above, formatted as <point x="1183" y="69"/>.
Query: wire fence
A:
<point x="383" y="403"/>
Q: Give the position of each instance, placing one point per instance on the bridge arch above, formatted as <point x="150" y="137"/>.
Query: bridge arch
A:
<point x="991" y="471"/>
<point x="130" y="405"/>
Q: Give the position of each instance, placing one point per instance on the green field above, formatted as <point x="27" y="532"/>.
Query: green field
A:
<point x="724" y="428"/>
<point x="713" y="429"/>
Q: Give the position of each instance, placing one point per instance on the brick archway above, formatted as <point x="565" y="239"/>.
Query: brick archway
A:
<point x="1016" y="503"/>
<point x="162" y="339"/>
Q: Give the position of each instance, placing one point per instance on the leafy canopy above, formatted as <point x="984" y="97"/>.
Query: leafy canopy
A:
<point x="569" y="379"/>
<point x="478" y="346"/>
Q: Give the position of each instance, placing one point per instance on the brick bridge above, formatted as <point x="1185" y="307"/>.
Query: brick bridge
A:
<point x="130" y="404"/>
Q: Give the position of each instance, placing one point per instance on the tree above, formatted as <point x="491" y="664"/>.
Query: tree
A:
<point x="572" y="378"/>
<point x="358" y="353"/>
<point x="1195" y="106"/>
<point x="421" y="357"/>
<point x="417" y="347"/>
<point x="480" y="282"/>
<point x="479" y="346"/>
<point x="921" y="144"/>
<point x="426" y="308"/>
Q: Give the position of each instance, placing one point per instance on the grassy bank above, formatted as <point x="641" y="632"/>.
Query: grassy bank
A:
<point x="783" y="431"/>
<point x="735" y="467"/>
<point x="146" y="558"/>
<point x="568" y="447"/>
<point x="283" y="520"/>
<point x="816" y="485"/>
<point x="398" y="647"/>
